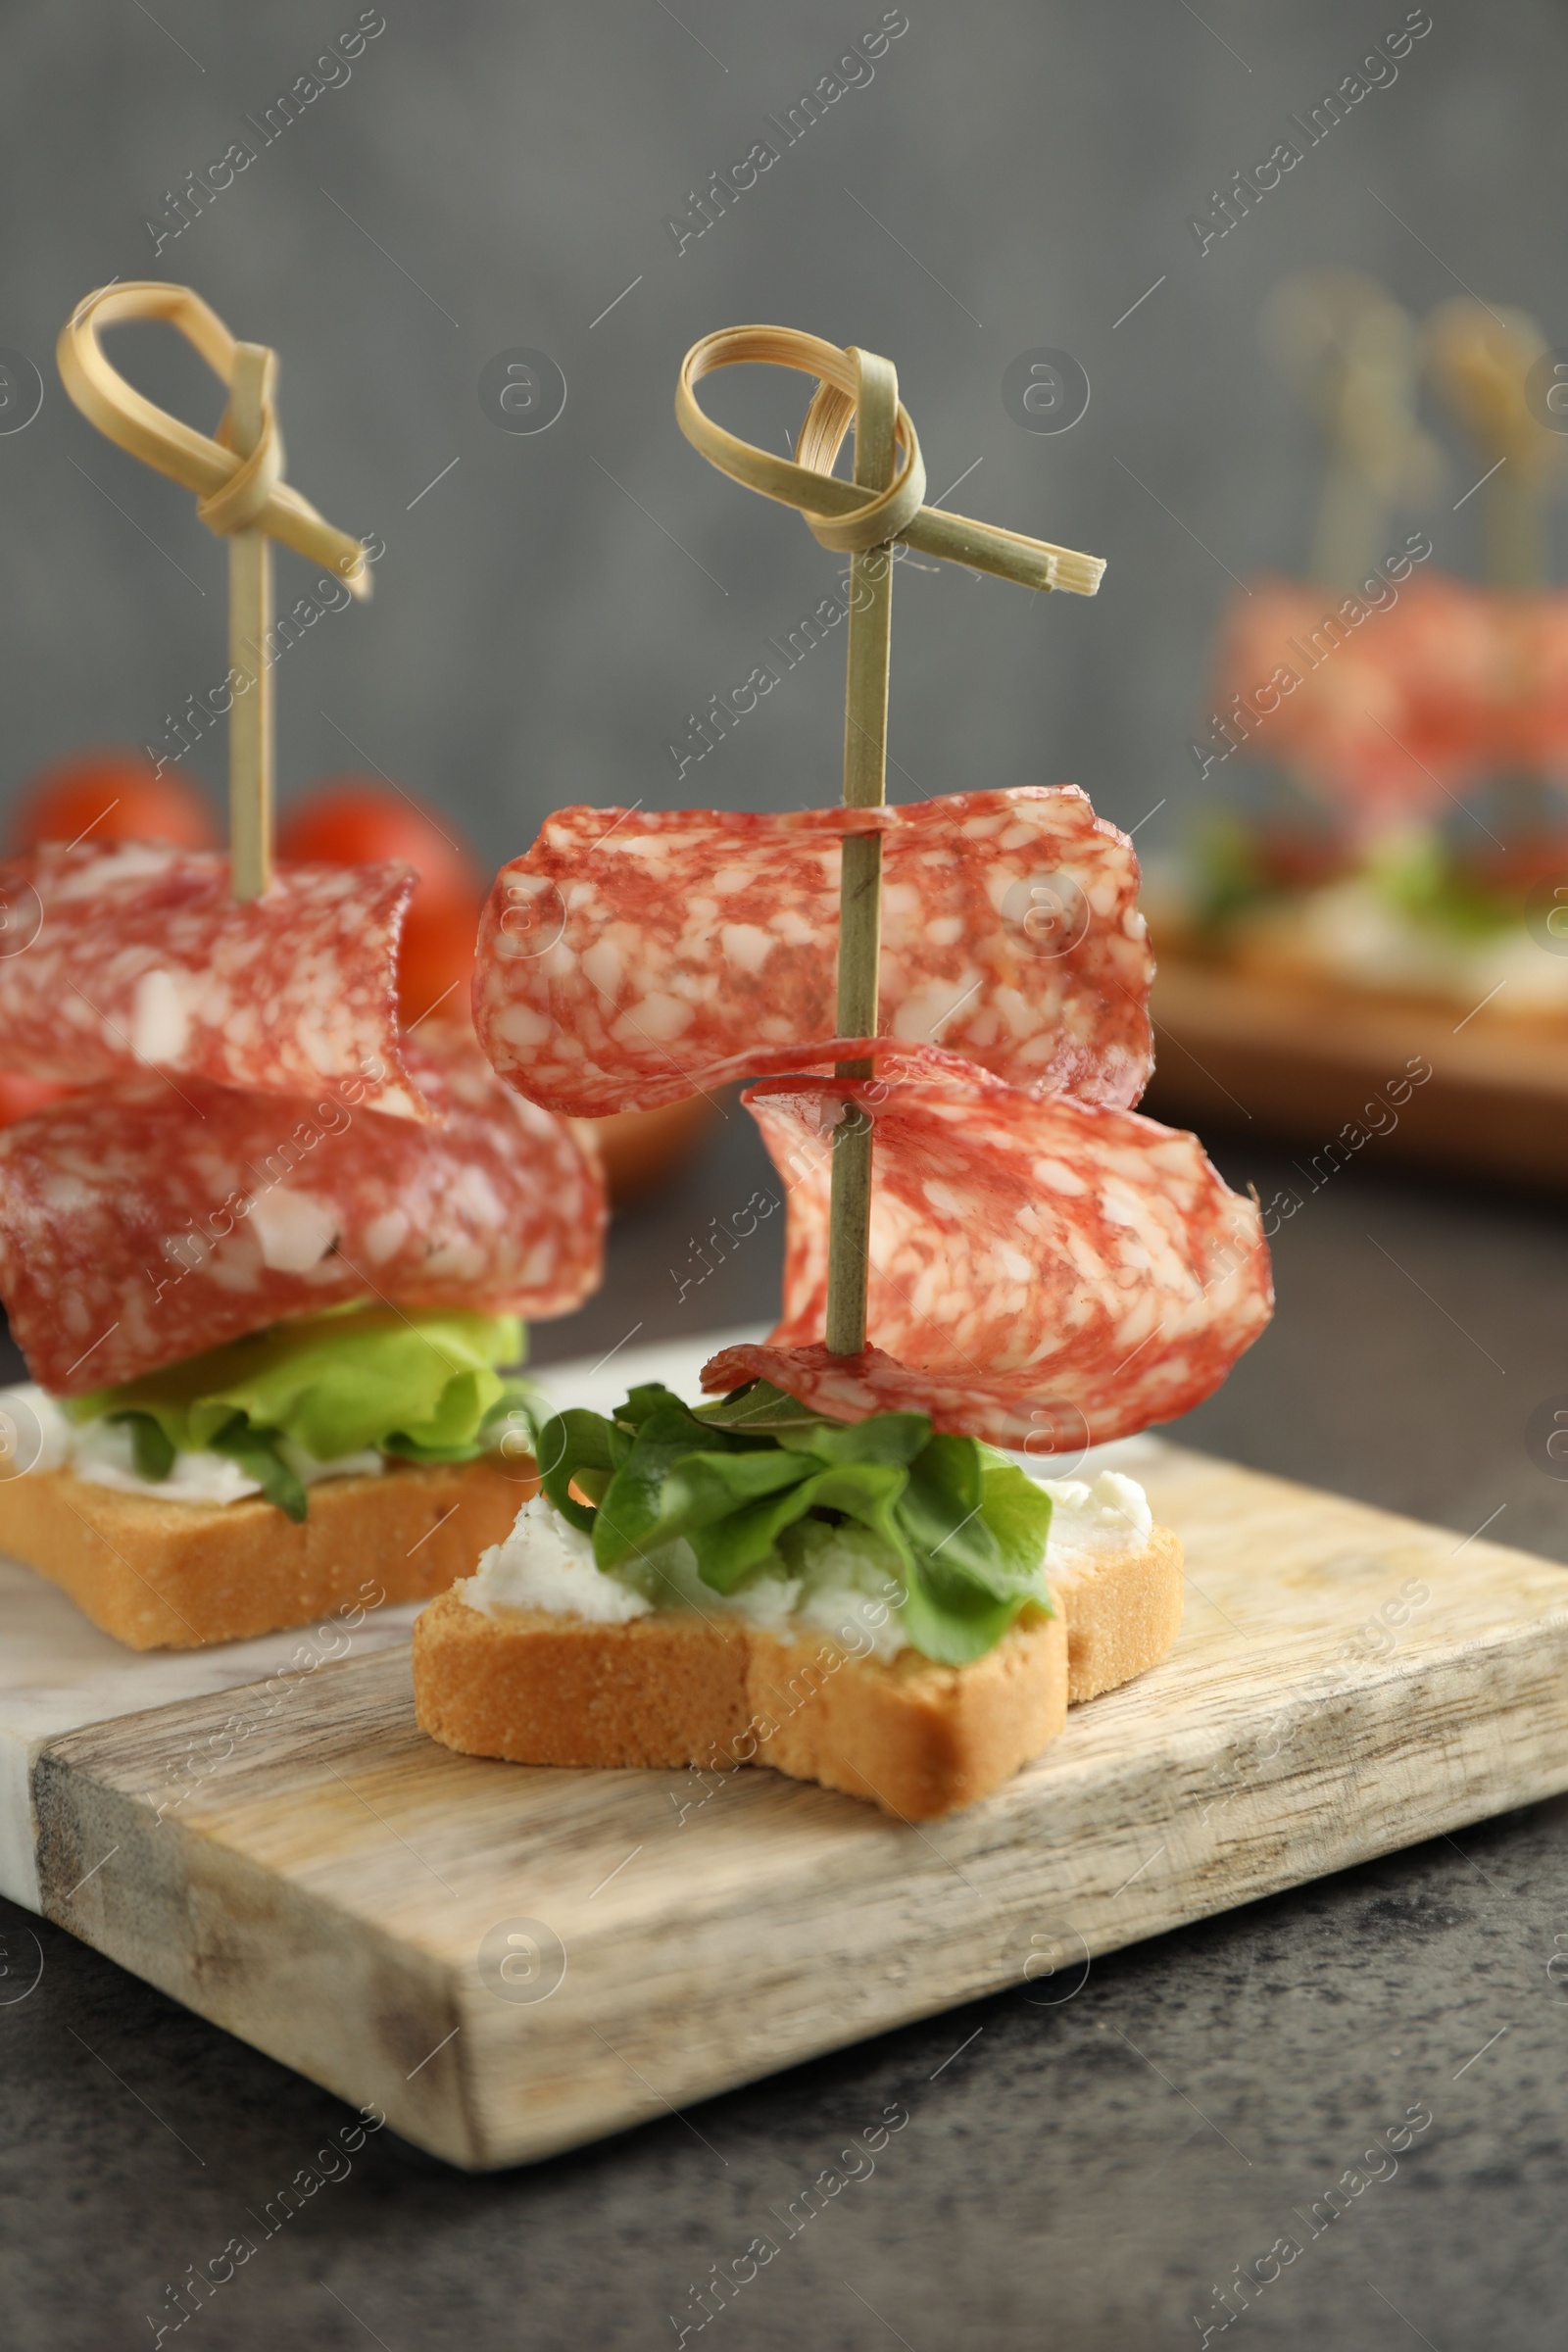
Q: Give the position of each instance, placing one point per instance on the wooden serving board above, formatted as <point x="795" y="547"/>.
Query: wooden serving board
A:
<point x="1302" y="1059"/>
<point x="58" y="1672"/>
<point x="510" y="1961"/>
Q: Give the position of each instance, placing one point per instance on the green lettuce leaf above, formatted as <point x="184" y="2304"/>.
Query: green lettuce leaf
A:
<point x="574" y="1448"/>
<point x="151" y="1451"/>
<point x="255" y="1451"/>
<point x="424" y="1386"/>
<point x="967" y="1528"/>
<point x="865" y="1491"/>
<point x="677" y="1477"/>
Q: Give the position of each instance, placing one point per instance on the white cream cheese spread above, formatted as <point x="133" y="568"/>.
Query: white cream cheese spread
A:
<point x="546" y="1563"/>
<point x="1092" y="1519"/>
<point x="848" y="1587"/>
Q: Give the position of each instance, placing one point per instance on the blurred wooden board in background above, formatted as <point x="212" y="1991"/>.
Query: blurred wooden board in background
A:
<point x="1300" y="1059"/>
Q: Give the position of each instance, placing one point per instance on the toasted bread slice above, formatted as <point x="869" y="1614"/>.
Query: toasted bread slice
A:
<point x="161" y="1574"/>
<point x="1123" y="1611"/>
<point x="678" y="1687"/>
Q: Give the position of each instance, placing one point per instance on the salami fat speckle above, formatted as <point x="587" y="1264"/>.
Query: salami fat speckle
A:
<point x="1044" y="1273"/>
<point x="139" y="1225"/>
<point x="135" y="956"/>
<point x="632" y="959"/>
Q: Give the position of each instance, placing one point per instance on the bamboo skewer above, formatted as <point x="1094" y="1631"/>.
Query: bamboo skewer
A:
<point x="250" y="624"/>
<point x="865" y="728"/>
<point x="1479" y="362"/>
<point x="863" y="518"/>
<point x="1351" y="352"/>
<point x="241" y="495"/>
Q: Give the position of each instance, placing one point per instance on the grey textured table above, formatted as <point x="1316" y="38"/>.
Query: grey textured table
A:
<point x="1088" y="2169"/>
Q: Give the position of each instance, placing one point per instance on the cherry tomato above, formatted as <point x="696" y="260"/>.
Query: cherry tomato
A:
<point x="353" y="820"/>
<point x="435" y="963"/>
<point x="112" y="795"/>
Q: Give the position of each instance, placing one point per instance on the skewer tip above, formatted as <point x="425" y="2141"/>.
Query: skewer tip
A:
<point x="1081" y="575"/>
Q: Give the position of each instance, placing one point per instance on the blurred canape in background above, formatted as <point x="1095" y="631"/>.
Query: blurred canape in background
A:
<point x="1402" y="898"/>
<point x="116" y="795"/>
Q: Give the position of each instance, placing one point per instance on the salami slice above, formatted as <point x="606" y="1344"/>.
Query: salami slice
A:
<point x="630" y="960"/>
<point x="139" y="1225"/>
<point x="1046" y="1274"/>
<point x="134" y="955"/>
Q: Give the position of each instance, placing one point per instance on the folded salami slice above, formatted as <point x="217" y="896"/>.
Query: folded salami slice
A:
<point x="1046" y="1274"/>
<point x="140" y="1223"/>
<point x="134" y="955"/>
<point x="632" y="959"/>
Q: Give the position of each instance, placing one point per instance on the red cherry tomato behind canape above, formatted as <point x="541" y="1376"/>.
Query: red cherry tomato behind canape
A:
<point x="436" y="965"/>
<point x="353" y="820"/>
<point x="112" y="795"/>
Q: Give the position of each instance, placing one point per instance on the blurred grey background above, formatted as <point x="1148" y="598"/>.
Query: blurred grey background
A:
<point x="552" y="605"/>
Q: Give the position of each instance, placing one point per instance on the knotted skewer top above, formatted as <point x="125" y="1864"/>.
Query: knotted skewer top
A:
<point x="233" y="492"/>
<point x="1351" y="353"/>
<point x="240" y="494"/>
<point x="1482" y="362"/>
<point x="847" y="516"/>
